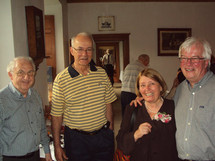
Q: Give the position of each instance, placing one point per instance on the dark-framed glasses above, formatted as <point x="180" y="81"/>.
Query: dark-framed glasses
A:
<point x="81" y="50"/>
<point x="192" y="60"/>
<point x="21" y="73"/>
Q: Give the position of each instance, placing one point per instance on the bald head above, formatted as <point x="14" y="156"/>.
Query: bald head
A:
<point x="144" y="59"/>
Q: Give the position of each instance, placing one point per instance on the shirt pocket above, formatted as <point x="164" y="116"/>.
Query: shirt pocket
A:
<point x="203" y="116"/>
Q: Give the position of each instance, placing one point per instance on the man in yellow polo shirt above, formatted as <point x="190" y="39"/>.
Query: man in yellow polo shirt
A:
<point x="82" y="97"/>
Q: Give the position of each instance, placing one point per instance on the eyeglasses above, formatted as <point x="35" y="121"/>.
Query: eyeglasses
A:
<point x="81" y="50"/>
<point x="21" y="73"/>
<point x="192" y="60"/>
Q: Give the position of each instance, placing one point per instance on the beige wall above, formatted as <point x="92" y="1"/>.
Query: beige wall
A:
<point x="141" y="20"/>
<point x="14" y="41"/>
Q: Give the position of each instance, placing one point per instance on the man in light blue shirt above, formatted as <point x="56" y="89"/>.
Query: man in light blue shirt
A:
<point x="195" y="103"/>
<point x="22" y="124"/>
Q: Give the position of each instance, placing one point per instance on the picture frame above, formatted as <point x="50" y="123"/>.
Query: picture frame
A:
<point x="170" y="39"/>
<point x="35" y="32"/>
<point x="106" y="23"/>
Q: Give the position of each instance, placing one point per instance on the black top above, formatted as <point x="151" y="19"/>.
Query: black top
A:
<point x="159" y="145"/>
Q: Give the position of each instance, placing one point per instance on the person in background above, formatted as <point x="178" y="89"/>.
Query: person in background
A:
<point x="179" y="78"/>
<point x="22" y="123"/>
<point x="153" y="135"/>
<point x="194" y="101"/>
<point x="82" y="97"/>
<point x="129" y="79"/>
<point x="108" y="64"/>
<point x="212" y="66"/>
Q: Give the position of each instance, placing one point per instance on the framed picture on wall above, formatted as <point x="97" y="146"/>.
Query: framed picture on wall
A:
<point x="36" y="43"/>
<point x="170" y="39"/>
<point x="106" y="23"/>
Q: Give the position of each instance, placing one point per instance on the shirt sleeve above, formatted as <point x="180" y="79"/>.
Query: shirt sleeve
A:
<point x="43" y="131"/>
<point x="125" y="138"/>
<point x="44" y="135"/>
<point x="57" y="98"/>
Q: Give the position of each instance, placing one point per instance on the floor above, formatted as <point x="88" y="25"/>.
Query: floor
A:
<point x="117" y="109"/>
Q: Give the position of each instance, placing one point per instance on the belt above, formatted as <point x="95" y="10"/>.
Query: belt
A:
<point x="28" y="155"/>
<point x="106" y="126"/>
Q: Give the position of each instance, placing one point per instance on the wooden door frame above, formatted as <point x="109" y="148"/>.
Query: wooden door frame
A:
<point x="115" y="46"/>
<point x="124" y="37"/>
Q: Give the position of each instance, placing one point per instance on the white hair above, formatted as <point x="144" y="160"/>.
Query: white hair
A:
<point x="13" y="62"/>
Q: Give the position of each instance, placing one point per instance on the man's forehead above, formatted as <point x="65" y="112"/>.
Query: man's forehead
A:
<point x="83" y="40"/>
<point x="195" y="49"/>
<point x="23" y="65"/>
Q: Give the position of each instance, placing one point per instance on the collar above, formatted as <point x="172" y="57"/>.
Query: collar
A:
<point x="73" y="73"/>
<point x="202" y="82"/>
<point x="16" y="92"/>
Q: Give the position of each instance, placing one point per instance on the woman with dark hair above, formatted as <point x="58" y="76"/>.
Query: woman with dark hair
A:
<point x="153" y="134"/>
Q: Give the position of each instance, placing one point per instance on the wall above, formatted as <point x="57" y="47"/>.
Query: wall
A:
<point x="54" y="7"/>
<point x="6" y="41"/>
<point x="14" y="41"/>
<point x="141" y="20"/>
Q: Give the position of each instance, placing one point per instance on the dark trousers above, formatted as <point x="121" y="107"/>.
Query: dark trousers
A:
<point x="33" y="157"/>
<point x="110" y="72"/>
<point x="126" y="98"/>
<point x="83" y="147"/>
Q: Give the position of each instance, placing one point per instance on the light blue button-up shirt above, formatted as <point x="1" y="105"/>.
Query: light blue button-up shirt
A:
<point x="195" y="119"/>
<point x="22" y="124"/>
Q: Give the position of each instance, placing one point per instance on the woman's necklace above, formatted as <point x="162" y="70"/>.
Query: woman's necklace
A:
<point x="153" y="111"/>
<point x="149" y="110"/>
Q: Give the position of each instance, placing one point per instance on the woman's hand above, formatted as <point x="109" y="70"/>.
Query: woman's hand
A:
<point x="143" y="129"/>
<point x="136" y="101"/>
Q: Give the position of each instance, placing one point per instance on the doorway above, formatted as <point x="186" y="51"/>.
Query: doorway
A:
<point x="112" y="41"/>
<point x="113" y="48"/>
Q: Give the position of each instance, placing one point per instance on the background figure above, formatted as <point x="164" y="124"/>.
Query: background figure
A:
<point x="82" y="97"/>
<point x="212" y="66"/>
<point x="129" y="79"/>
<point x="153" y="135"/>
<point x="179" y="78"/>
<point x="108" y="64"/>
<point x="22" y="123"/>
<point x="194" y="101"/>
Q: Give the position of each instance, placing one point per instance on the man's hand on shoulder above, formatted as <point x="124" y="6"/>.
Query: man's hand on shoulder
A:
<point x="136" y="101"/>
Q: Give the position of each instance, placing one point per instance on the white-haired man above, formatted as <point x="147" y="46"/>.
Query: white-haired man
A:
<point x="22" y="124"/>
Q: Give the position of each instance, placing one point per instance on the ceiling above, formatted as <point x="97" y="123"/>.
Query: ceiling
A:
<point x="90" y="1"/>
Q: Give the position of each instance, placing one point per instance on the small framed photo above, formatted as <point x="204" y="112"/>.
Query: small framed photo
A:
<point x="106" y="23"/>
<point x="170" y="39"/>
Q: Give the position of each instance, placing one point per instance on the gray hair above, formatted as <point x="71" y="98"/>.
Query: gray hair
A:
<point x="186" y="45"/>
<point x="82" y="34"/>
<point x="12" y="63"/>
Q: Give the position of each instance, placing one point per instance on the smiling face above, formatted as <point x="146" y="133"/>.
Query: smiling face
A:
<point x="194" y="72"/>
<point x="149" y="89"/>
<point x="84" y="43"/>
<point x="22" y="76"/>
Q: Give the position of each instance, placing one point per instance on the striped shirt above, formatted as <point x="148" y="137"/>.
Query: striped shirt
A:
<point x="82" y="99"/>
<point x="130" y="76"/>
